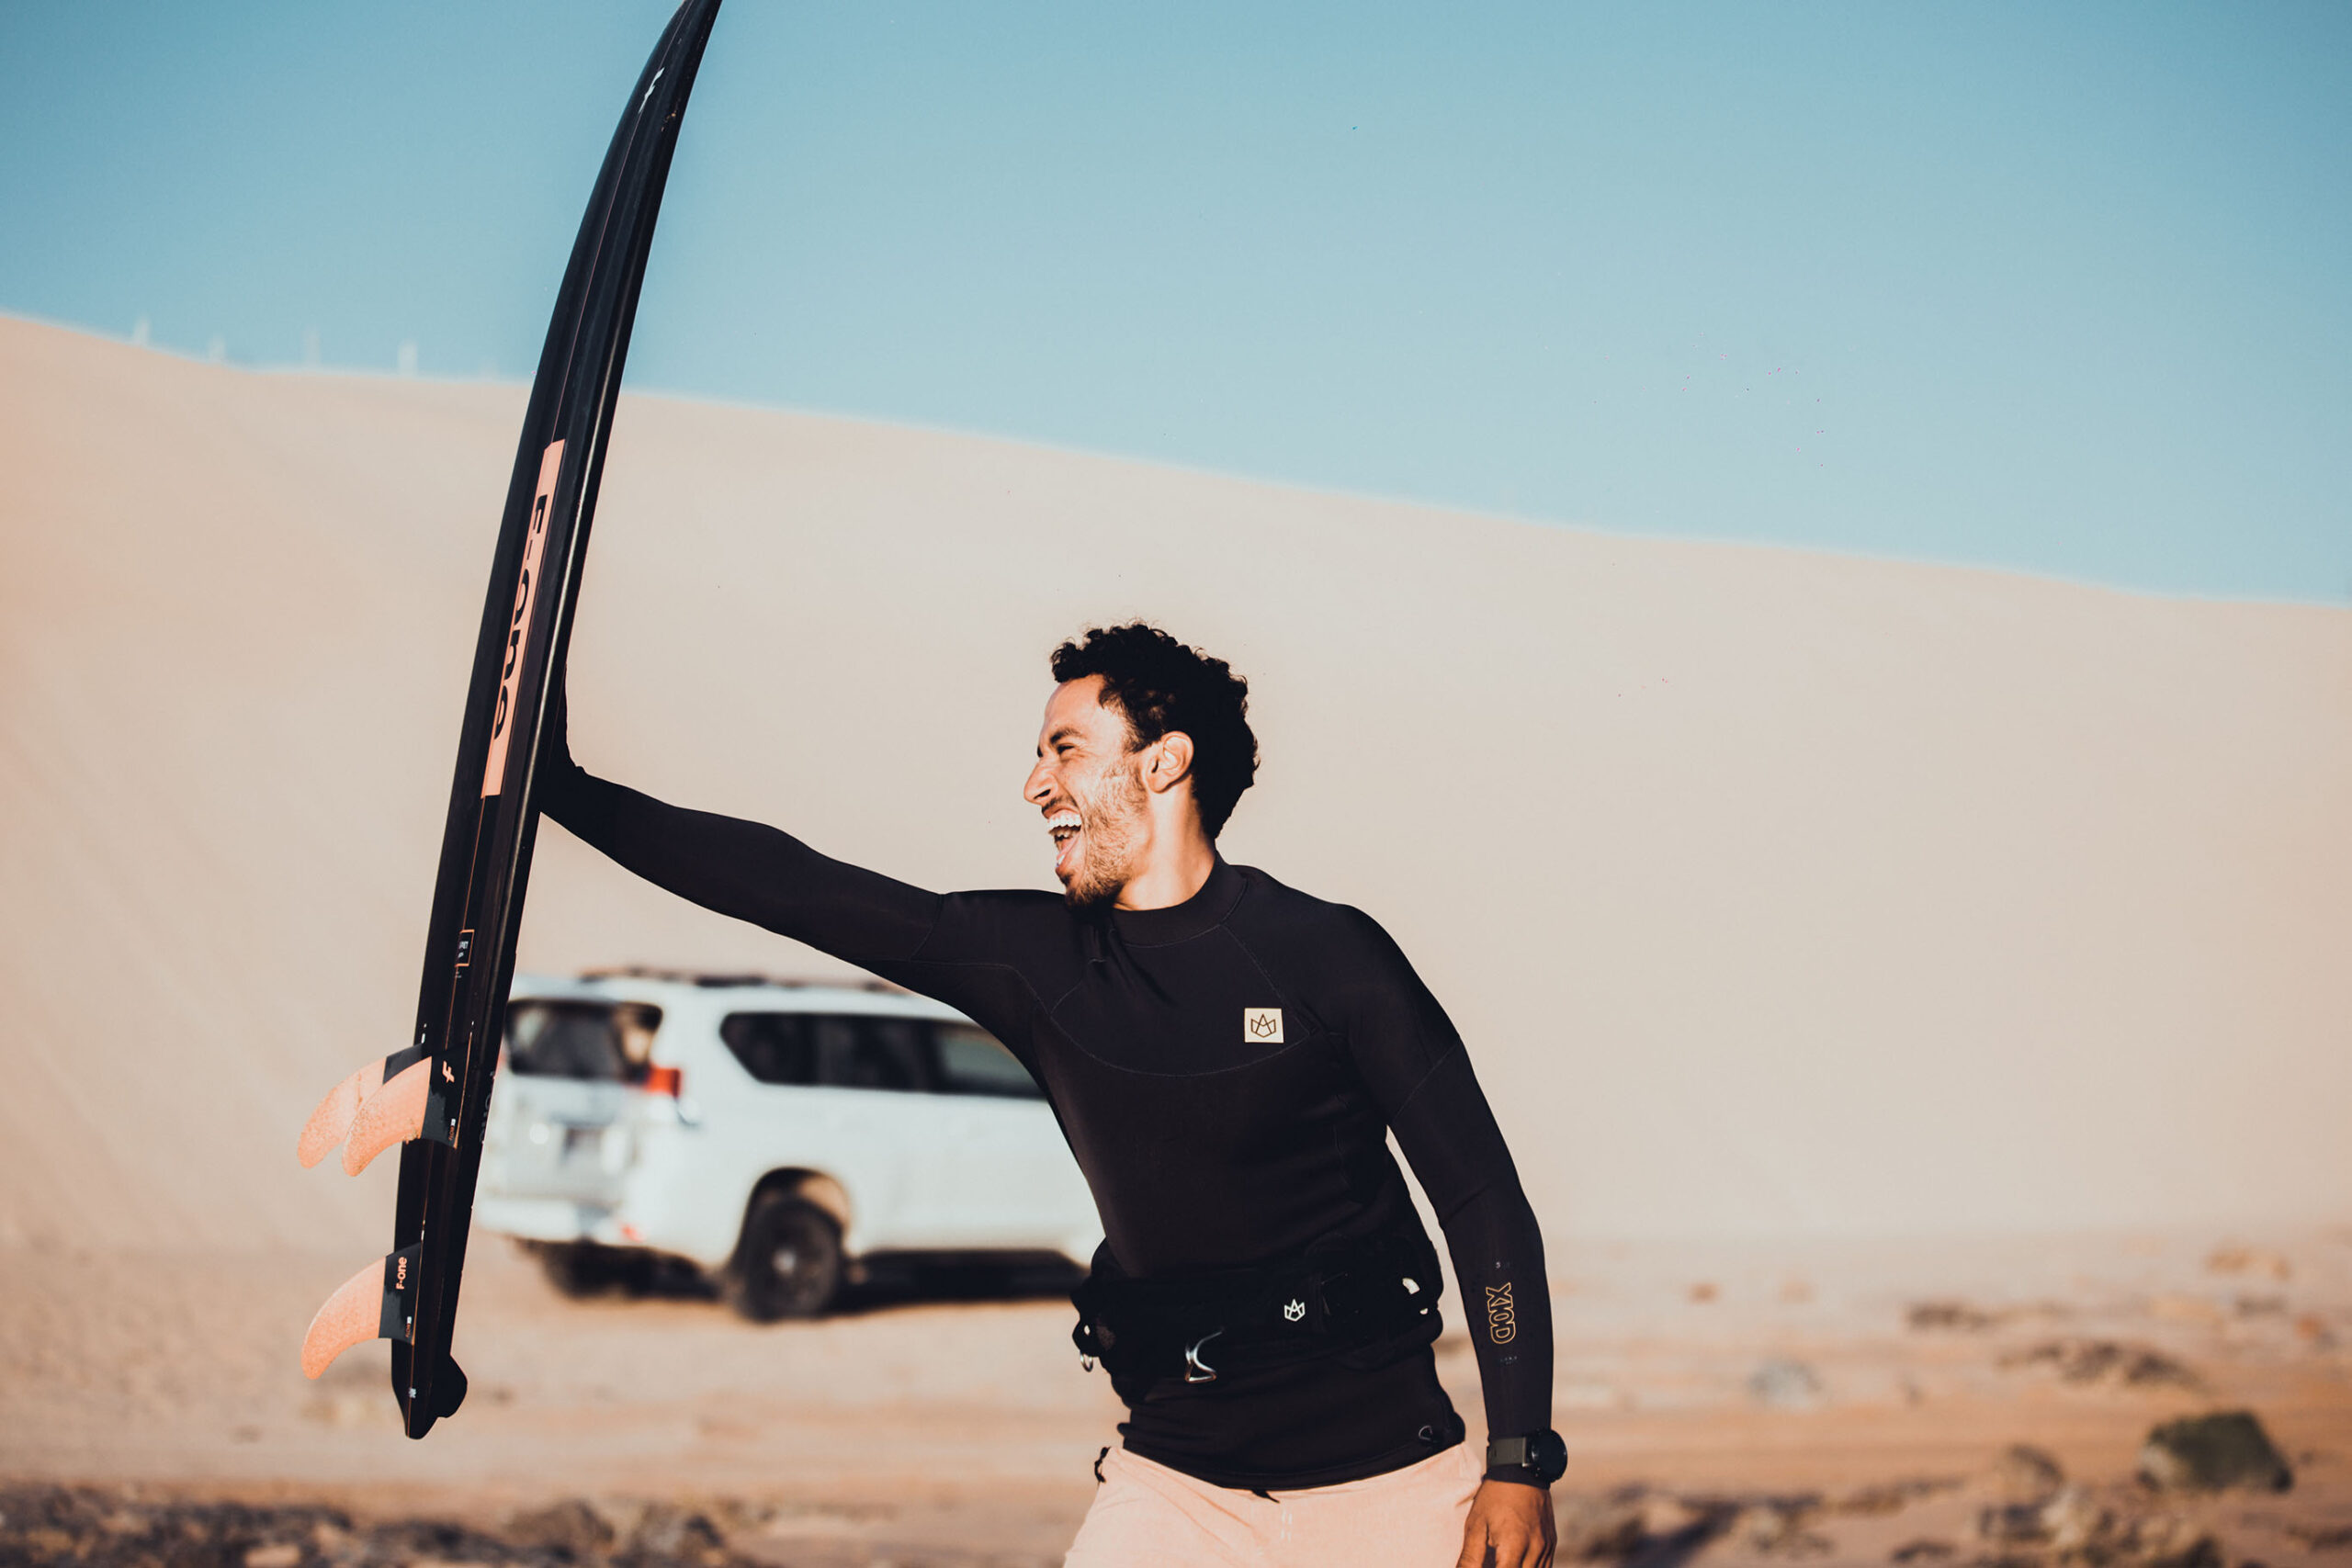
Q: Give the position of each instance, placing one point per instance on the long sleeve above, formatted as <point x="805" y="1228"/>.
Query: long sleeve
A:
<point x="1205" y="1149"/>
<point x="750" y="871"/>
<point x="1448" y="1133"/>
<point x="1417" y="1068"/>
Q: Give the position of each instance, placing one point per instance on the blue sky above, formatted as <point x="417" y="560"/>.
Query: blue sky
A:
<point x="2063" y="288"/>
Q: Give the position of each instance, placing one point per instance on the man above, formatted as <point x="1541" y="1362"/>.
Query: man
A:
<point x="1226" y="1057"/>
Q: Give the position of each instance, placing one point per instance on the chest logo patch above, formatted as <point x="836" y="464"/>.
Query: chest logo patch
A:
<point x="1263" y="1026"/>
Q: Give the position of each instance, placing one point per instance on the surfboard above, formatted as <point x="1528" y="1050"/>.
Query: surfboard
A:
<point x="433" y="1098"/>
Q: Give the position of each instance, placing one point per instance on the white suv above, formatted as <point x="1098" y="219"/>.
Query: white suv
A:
<point x="776" y="1137"/>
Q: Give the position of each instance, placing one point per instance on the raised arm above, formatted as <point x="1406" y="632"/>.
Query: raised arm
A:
<point x="751" y="871"/>
<point x="742" y="869"/>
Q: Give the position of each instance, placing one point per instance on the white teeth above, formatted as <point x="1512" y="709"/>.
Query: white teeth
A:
<point x="1061" y="819"/>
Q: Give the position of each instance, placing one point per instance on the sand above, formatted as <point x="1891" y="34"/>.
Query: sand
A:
<point x="1786" y="900"/>
<point x="1728" y="1389"/>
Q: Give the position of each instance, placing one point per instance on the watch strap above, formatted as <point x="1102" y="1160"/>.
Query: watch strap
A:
<point x="1506" y="1453"/>
<point x="1538" y="1458"/>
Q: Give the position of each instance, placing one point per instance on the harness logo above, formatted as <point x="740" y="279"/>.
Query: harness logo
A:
<point x="1293" y="1311"/>
<point x="1502" y="1321"/>
<point x="400" y="1273"/>
<point x="1263" y="1025"/>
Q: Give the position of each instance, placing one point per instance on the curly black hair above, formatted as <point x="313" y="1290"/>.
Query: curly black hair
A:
<point x="1158" y="685"/>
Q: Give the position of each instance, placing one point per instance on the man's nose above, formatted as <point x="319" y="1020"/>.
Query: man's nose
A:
<point x="1040" y="789"/>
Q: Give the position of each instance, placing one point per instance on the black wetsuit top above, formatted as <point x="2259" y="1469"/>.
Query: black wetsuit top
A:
<point x="1207" y="1149"/>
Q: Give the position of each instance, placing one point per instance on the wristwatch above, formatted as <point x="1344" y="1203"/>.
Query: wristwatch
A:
<point x="1542" y="1459"/>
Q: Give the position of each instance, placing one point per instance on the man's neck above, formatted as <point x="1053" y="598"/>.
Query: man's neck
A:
<point x="1172" y="875"/>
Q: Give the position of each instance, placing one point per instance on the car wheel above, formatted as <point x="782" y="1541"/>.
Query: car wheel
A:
<point x="789" y="1264"/>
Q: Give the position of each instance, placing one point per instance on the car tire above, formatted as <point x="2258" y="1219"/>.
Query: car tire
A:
<point x="789" y="1264"/>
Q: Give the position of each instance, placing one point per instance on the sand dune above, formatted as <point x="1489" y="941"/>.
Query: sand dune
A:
<point x="1777" y="892"/>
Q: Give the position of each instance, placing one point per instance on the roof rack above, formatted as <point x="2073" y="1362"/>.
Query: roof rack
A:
<point x="718" y="981"/>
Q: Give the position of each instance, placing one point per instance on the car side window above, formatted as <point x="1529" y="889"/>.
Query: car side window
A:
<point x="870" y="1053"/>
<point x="972" y="1062"/>
<point x="774" y="1047"/>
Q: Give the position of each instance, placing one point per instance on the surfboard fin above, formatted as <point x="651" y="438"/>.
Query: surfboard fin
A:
<point x="372" y="1304"/>
<point x="331" y="1122"/>
<point x="393" y="1114"/>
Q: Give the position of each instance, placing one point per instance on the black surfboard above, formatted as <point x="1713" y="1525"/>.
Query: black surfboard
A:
<point x="518" y="663"/>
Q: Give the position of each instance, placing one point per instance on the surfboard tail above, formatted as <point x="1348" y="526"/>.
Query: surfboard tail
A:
<point x="374" y="1304"/>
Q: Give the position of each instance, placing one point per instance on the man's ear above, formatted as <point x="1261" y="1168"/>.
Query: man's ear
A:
<point x="1170" y="762"/>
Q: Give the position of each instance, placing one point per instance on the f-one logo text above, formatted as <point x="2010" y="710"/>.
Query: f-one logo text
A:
<point x="1502" y="1320"/>
<point x="518" y="627"/>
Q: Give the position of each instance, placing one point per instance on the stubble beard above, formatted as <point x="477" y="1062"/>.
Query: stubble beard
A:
<point x="1113" y="819"/>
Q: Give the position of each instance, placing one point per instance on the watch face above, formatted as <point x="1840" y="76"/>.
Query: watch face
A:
<point x="1547" y="1456"/>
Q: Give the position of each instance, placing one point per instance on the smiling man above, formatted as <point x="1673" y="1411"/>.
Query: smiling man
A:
<point x="1227" y="1057"/>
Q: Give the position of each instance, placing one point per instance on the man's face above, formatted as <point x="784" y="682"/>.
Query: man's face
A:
<point x="1086" y="785"/>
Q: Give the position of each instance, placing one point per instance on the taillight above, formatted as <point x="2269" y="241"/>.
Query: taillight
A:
<point x="663" y="1081"/>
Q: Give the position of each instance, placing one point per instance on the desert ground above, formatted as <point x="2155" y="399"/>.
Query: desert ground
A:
<point x="1836" y="1402"/>
<point x="1916" y="994"/>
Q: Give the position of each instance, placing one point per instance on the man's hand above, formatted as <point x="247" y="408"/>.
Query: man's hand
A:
<point x="1510" y="1526"/>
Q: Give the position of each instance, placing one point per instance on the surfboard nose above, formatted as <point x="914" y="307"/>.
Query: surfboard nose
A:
<point x="393" y="1114"/>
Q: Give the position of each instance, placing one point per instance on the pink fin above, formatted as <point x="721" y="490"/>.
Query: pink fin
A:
<point x="332" y="1120"/>
<point x="354" y="1313"/>
<point x="393" y="1114"/>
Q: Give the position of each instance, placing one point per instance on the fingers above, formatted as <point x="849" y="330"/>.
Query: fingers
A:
<point x="1510" y="1526"/>
<point x="1511" y="1548"/>
<point x="393" y="1114"/>
<point x="354" y="1313"/>
<point x="331" y="1122"/>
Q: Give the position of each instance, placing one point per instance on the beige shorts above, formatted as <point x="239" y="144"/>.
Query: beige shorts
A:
<point x="1147" y="1516"/>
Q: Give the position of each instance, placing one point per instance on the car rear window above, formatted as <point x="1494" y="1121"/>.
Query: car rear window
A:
<point x="834" y="1051"/>
<point x="603" y="1041"/>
